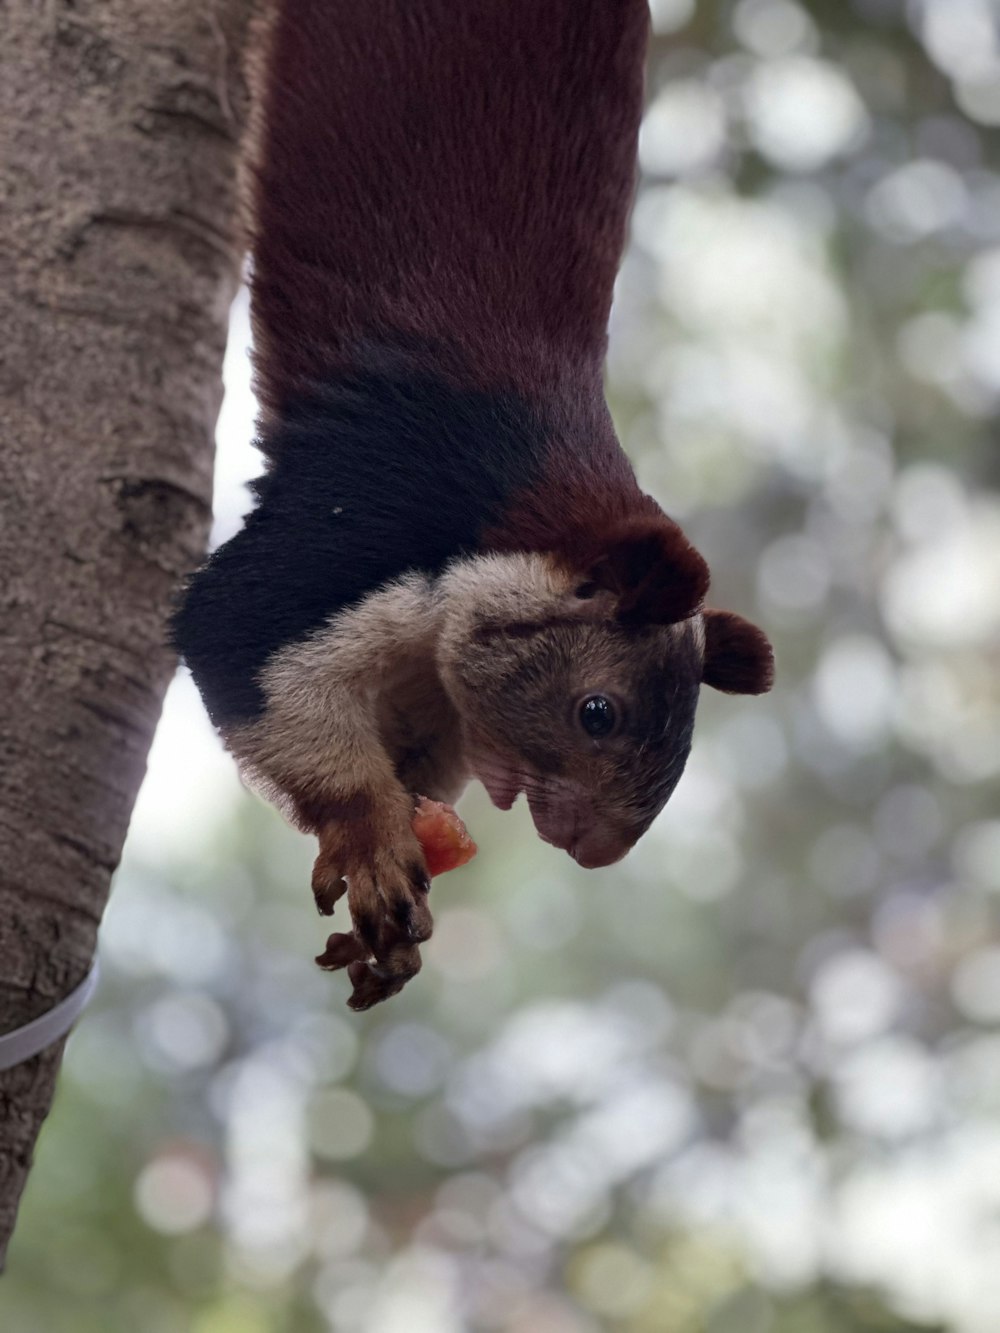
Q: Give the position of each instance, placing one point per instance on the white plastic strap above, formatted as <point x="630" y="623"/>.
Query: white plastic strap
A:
<point x="34" y="1037"/>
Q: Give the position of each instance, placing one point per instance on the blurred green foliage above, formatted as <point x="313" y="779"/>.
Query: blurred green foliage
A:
<point x="749" y="1080"/>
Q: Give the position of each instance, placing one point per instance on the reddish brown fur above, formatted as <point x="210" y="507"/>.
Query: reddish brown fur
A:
<point x="657" y="575"/>
<point x="373" y="215"/>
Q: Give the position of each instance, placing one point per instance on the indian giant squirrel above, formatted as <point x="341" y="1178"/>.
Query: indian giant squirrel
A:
<point x="450" y="571"/>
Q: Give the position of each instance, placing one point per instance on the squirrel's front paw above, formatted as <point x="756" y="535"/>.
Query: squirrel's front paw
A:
<point x="374" y="977"/>
<point x="387" y="885"/>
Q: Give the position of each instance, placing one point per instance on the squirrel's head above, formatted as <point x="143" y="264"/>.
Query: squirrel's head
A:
<point x="577" y="681"/>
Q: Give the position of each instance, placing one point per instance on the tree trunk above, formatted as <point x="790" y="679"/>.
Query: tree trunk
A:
<point x="117" y="264"/>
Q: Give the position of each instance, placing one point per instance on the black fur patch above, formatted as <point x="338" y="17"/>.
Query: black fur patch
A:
<point x="376" y="474"/>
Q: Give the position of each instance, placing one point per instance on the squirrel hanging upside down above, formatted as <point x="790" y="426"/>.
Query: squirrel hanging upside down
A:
<point x="450" y="571"/>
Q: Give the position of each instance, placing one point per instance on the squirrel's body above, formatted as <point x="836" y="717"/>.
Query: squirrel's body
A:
<point x="450" y="560"/>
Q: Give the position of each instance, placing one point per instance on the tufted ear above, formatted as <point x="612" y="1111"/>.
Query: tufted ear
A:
<point x="655" y="573"/>
<point x="738" y="657"/>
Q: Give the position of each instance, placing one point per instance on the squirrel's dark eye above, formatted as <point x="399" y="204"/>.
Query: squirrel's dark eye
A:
<point x="597" y="716"/>
<point x="586" y="591"/>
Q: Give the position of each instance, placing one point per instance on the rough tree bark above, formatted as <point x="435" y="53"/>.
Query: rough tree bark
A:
<point x="118" y="259"/>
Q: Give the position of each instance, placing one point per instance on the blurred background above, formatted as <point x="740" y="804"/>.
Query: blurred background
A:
<point x="749" y="1080"/>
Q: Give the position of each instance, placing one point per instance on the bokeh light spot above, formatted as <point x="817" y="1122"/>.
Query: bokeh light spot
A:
<point x="174" y="1193"/>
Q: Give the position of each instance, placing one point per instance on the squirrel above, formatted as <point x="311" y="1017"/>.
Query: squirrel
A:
<point x="450" y="571"/>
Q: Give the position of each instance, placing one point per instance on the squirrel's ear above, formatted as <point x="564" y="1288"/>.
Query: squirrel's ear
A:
<point x="655" y="573"/>
<point x="738" y="657"/>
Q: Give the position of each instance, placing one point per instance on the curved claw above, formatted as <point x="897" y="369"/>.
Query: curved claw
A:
<point x="328" y="884"/>
<point x="378" y="981"/>
<point x="405" y="896"/>
<point x="341" y="951"/>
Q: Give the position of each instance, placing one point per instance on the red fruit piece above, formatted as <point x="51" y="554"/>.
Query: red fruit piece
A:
<point x="442" y="835"/>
